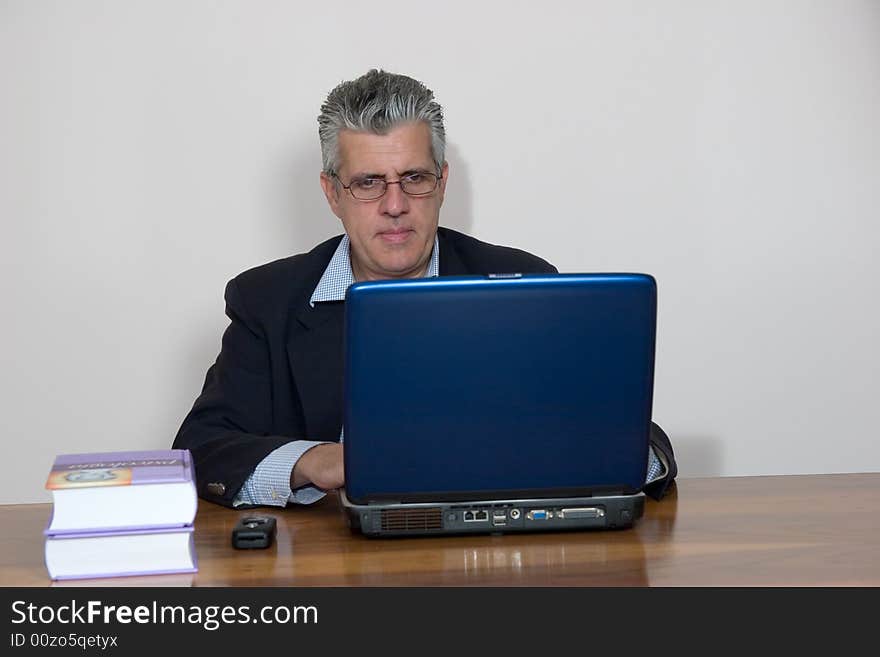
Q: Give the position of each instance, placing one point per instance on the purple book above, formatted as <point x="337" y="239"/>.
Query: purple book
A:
<point x="119" y="554"/>
<point x="121" y="491"/>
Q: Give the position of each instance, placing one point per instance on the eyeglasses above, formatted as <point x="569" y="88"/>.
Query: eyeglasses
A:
<point x="418" y="183"/>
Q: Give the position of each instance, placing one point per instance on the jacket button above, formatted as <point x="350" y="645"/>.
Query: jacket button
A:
<point x="216" y="488"/>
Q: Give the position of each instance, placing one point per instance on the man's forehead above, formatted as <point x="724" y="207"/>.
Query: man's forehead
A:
<point x="405" y="147"/>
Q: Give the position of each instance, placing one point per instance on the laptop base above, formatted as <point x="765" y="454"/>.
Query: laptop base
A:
<point x="492" y="517"/>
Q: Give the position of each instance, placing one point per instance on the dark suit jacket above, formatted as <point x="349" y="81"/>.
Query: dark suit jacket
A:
<point x="279" y="373"/>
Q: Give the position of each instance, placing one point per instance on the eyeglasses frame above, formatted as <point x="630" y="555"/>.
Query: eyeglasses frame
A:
<point x="438" y="176"/>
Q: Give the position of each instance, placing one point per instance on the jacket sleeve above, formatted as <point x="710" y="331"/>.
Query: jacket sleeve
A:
<point x="663" y="448"/>
<point x="228" y="428"/>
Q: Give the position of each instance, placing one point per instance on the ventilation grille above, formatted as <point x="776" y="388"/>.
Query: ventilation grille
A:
<point x="408" y="520"/>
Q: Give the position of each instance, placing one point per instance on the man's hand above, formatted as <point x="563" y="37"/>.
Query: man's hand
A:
<point x="320" y="466"/>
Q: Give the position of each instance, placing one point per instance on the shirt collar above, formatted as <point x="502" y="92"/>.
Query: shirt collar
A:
<point x="338" y="274"/>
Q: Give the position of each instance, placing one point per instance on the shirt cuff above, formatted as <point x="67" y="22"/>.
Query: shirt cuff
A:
<point x="269" y="484"/>
<point x="657" y="468"/>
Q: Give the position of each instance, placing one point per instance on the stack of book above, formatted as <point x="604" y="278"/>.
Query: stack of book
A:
<point x="121" y="513"/>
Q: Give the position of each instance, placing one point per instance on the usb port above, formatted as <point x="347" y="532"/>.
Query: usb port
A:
<point x="499" y="518"/>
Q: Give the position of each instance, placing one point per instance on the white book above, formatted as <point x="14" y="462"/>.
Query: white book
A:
<point x="117" y="554"/>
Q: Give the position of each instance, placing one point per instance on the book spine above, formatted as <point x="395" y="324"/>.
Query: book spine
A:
<point x="189" y="466"/>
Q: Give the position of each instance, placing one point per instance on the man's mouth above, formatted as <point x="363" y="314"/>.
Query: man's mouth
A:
<point x="395" y="235"/>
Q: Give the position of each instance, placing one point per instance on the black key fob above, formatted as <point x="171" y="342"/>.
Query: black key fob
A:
<point x="252" y="532"/>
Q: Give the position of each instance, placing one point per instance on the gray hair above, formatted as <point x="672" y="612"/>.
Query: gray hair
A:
<point x="376" y="102"/>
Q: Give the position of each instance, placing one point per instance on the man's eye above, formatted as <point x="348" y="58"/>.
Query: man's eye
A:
<point x="367" y="183"/>
<point x="415" y="178"/>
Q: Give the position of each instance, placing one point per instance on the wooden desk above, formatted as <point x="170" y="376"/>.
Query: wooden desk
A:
<point x="786" y="530"/>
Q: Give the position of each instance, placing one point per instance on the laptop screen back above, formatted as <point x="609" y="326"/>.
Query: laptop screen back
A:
<point x="474" y="387"/>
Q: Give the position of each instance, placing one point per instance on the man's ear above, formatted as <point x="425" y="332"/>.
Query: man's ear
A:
<point x="331" y="191"/>
<point x="444" y="173"/>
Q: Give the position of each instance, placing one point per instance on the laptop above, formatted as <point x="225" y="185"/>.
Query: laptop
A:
<point x="499" y="403"/>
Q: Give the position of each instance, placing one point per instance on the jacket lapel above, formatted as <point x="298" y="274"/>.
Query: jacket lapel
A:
<point x="451" y="263"/>
<point x="314" y="350"/>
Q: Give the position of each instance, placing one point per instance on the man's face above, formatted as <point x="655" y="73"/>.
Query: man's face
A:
<point x="391" y="237"/>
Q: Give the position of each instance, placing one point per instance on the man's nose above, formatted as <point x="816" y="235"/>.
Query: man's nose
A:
<point x="395" y="202"/>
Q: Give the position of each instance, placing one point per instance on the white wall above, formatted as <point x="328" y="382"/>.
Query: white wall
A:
<point x="149" y="151"/>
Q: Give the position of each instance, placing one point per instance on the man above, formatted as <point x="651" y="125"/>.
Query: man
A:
<point x="266" y="429"/>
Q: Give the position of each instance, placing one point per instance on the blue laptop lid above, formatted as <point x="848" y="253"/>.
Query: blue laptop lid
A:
<point x="480" y="387"/>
